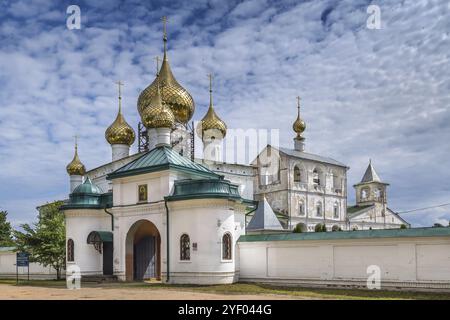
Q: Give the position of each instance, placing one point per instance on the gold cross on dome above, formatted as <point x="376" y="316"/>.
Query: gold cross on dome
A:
<point x="164" y="20"/>
<point x="120" y="84"/>
<point x="210" y="77"/>
<point x="76" y="141"/>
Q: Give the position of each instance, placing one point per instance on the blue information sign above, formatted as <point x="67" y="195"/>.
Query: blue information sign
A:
<point x="22" y="259"/>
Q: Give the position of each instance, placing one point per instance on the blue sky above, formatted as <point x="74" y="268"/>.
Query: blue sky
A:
<point x="380" y="94"/>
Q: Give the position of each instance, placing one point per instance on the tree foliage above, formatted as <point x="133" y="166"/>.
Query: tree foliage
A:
<point x="6" y="233"/>
<point x="45" y="240"/>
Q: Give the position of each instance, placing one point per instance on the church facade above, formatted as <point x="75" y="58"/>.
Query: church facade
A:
<point x="160" y="214"/>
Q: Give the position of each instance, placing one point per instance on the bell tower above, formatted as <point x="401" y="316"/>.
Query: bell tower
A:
<point x="371" y="190"/>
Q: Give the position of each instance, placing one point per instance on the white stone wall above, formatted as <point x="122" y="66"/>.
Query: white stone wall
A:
<point x="406" y="262"/>
<point x="79" y="223"/>
<point x="37" y="271"/>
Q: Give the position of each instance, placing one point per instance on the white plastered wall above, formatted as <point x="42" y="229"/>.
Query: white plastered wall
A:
<point x="406" y="262"/>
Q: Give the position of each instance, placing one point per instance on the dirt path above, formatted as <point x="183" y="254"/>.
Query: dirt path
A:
<point x="8" y="292"/>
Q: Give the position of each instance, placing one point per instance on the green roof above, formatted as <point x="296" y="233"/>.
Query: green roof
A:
<point x="158" y="159"/>
<point x="7" y="249"/>
<point x="355" y="209"/>
<point x="100" y="236"/>
<point x="343" y="235"/>
<point x="87" y="187"/>
<point x="205" y="188"/>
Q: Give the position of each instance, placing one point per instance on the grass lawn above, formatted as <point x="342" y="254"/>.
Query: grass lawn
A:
<point x="247" y="288"/>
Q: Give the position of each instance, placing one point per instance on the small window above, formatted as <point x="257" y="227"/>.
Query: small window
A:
<point x="185" y="247"/>
<point x="319" y="209"/>
<point x="142" y="191"/>
<point x="364" y="193"/>
<point x="70" y="250"/>
<point x="301" y="209"/>
<point x="316" y="177"/>
<point x="297" y="174"/>
<point x="226" y="247"/>
<point x="336" y="211"/>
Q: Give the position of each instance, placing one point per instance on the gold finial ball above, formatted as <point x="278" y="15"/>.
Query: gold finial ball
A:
<point x="299" y="126"/>
<point x="75" y="167"/>
<point x="120" y="132"/>
<point x="157" y="117"/>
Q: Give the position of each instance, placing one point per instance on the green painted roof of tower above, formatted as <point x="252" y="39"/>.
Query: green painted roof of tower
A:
<point x="343" y="235"/>
<point x="161" y="158"/>
<point x="87" y="187"/>
<point x="206" y="188"/>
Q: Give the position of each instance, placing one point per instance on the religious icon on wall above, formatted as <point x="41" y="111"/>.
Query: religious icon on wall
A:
<point x="142" y="192"/>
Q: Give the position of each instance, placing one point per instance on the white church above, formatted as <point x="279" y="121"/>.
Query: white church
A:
<point x="161" y="214"/>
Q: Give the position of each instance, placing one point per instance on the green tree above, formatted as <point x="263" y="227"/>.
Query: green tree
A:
<point x="45" y="240"/>
<point x="6" y="239"/>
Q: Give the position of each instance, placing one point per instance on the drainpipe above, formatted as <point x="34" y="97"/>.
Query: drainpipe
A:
<point x="167" y="249"/>
<point x="112" y="218"/>
<point x="245" y="219"/>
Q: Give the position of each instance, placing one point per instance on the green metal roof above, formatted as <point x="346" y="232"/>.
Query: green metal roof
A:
<point x="353" y="210"/>
<point x="7" y="249"/>
<point x="87" y="187"/>
<point x="89" y="201"/>
<point x="100" y="236"/>
<point x="343" y="235"/>
<point x="205" y="188"/>
<point x="161" y="158"/>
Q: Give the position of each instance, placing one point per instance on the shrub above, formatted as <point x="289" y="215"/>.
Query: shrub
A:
<point x="403" y="226"/>
<point x="298" y="229"/>
<point x="320" y="227"/>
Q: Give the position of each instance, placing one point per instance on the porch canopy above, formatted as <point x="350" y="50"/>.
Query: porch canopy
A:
<point x="96" y="238"/>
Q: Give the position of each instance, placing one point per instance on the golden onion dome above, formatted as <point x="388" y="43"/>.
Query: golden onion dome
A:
<point x="120" y="132"/>
<point x="173" y="94"/>
<point x="157" y="114"/>
<point x="211" y="125"/>
<point x="299" y="125"/>
<point x="75" y="167"/>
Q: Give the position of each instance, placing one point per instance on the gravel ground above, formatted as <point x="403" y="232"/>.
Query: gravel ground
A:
<point x="8" y="292"/>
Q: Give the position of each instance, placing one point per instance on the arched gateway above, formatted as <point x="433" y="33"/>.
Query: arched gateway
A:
<point x="143" y="251"/>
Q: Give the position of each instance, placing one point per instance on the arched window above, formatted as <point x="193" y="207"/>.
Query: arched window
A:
<point x="319" y="209"/>
<point x="70" y="250"/>
<point x="185" y="247"/>
<point x="226" y="247"/>
<point x="336" y="210"/>
<point x="317" y="177"/>
<point x="297" y="174"/>
<point x="364" y="193"/>
<point x="301" y="209"/>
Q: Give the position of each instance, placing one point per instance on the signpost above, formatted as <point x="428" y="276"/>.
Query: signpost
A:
<point x="22" y="260"/>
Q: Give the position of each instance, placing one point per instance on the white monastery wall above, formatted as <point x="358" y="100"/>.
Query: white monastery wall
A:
<point x="37" y="271"/>
<point x="406" y="262"/>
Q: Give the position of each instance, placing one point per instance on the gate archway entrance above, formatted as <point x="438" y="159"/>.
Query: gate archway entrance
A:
<point x="143" y="252"/>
